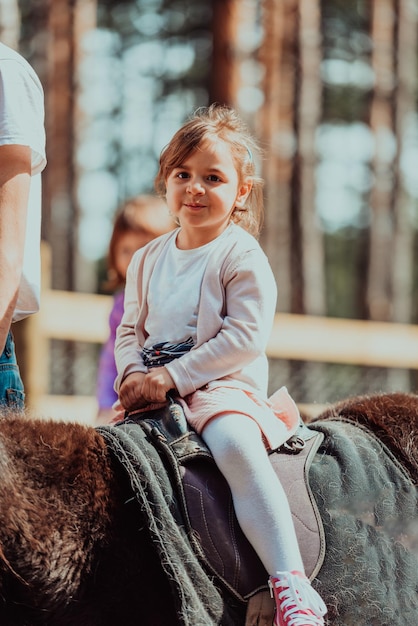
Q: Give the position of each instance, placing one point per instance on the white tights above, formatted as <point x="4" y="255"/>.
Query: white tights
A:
<point x="260" y="502"/>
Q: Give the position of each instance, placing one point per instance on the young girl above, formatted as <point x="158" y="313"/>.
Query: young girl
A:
<point x="199" y="307"/>
<point x="138" y="221"/>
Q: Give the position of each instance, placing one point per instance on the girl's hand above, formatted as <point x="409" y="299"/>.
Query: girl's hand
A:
<point x="157" y="383"/>
<point x="130" y="392"/>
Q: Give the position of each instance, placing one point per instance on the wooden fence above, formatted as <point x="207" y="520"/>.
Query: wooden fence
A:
<point x="71" y="316"/>
<point x="84" y="317"/>
<point x="67" y="316"/>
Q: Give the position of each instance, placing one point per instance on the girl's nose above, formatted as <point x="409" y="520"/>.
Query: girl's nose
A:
<point x="195" y="187"/>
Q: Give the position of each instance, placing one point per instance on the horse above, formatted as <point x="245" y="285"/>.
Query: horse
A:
<point x="77" y="545"/>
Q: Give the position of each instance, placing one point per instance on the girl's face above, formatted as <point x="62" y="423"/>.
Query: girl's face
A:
<point x="127" y="244"/>
<point x="203" y="191"/>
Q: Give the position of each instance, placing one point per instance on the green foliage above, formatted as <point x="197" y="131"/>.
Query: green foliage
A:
<point x="346" y="268"/>
<point x="346" y="103"/>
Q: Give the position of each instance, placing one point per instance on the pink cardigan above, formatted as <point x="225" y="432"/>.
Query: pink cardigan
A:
<point x="236" y="312"/>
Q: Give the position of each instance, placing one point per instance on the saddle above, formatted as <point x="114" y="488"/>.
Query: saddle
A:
<point x="206" y="503"/>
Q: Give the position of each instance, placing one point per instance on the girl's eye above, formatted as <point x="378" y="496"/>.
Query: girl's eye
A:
<point x="213" y="178"/>
<point x="182" y="175"/>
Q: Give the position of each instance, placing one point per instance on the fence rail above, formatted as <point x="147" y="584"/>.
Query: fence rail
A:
<point x="84" y="317"/>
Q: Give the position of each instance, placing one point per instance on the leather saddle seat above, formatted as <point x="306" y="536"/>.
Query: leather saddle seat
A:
<point x="206" y="506"/>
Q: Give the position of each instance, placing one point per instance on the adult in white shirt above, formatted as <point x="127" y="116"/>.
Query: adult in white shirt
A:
<point x="22" y="158"/>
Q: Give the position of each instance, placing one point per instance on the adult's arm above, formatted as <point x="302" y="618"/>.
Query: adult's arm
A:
<point x="15" y="172"/>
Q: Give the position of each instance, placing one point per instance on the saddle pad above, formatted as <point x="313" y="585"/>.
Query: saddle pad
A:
<point x="204" y="502"/>
<point x="217" y="536"/>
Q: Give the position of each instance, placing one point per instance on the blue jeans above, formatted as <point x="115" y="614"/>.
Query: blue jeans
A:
<point x="11" y="386"/>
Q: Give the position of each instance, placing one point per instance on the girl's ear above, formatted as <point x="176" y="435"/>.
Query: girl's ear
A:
<point x="243" y="192"/>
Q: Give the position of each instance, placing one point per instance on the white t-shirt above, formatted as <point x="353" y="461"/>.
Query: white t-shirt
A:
<point x="22" y="123"/>
<point x="174" y="293"/>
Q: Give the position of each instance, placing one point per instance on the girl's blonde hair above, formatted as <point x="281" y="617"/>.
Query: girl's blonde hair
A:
<point x="218" y="121"/>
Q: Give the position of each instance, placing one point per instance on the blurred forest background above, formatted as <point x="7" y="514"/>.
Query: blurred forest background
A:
<point x="329" y="87"/>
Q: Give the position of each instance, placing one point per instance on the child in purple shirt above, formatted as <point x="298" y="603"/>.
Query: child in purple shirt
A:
<point x="139" y="220"/>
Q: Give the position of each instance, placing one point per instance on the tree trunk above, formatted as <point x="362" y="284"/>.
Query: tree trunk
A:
<point x="85" y="19"/>
<point x="277" y="134"/>
<point x="223" y="80"/>
<point x="309" y="112"/>
<point x="67" y="22"/>
<point x="406" y="89"/>
<point x="60" y="220"/>
<point x="235" y="74"/>
<point x="403" y="239"/>
<point x="382" y="125"/>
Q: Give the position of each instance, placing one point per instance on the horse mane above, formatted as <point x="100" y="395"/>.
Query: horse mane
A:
<point x="392" y="417"/>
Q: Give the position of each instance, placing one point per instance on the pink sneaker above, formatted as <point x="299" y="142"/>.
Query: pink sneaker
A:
<point x="297" y="603"/>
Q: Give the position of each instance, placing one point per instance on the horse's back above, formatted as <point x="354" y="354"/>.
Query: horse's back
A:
<point x="369" y="507"/>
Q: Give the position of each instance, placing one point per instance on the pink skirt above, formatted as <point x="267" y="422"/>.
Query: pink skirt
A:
<point x="278" y="417"/>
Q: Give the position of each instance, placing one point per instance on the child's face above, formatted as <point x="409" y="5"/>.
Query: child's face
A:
<point x="127" y="244"/>
<point x="203" y="192"/>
